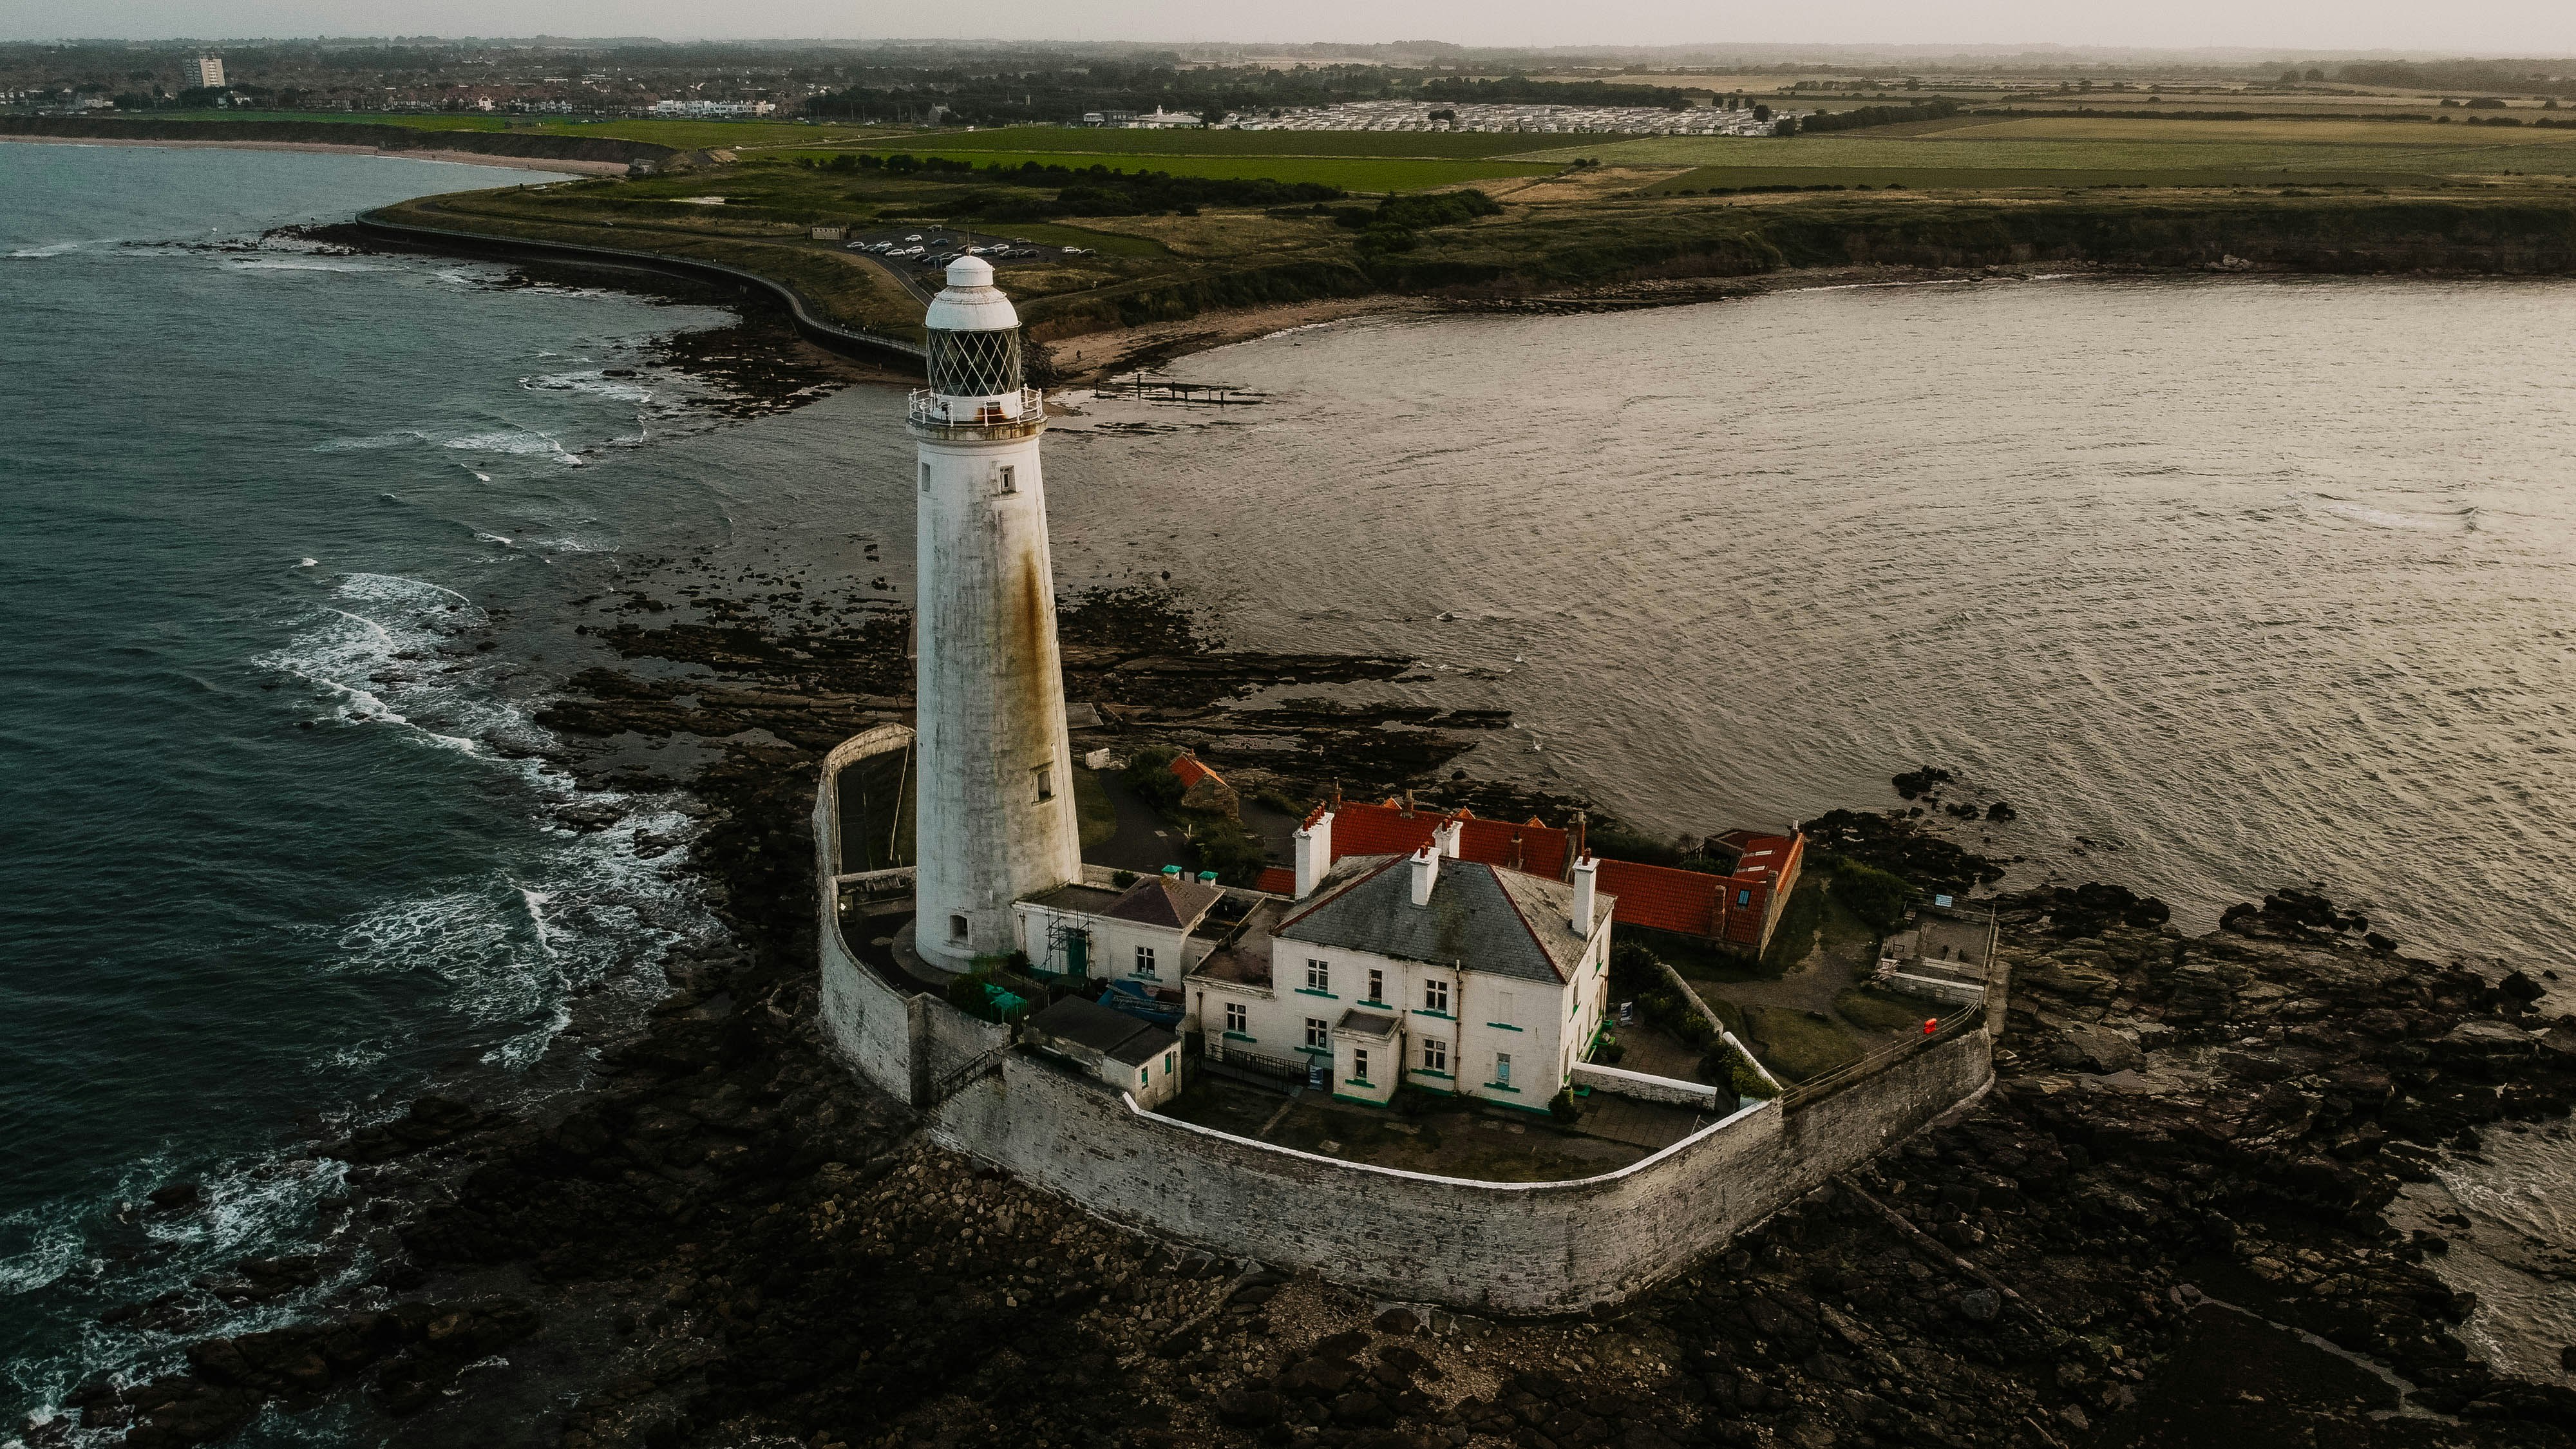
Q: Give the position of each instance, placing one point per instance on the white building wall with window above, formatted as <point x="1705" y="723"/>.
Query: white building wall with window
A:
<point x="1115" y="945"/>
<point x="1539" y="1027"/>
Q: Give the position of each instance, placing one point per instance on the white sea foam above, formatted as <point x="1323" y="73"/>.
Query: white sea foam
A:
<point x="596" y="383"/>
<point x="288" y="264"/>
<point x="54" y="249"/>
<point x="372" y="442"/>
<point x="492" y="537"/>
<point x="306" y="563"/>
<point x="516" y="443"/>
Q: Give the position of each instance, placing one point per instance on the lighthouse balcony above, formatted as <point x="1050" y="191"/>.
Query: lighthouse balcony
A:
<point x="940" y="415"/>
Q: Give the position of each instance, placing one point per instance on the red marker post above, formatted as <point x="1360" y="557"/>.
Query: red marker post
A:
<point x="1930" y="1025"/>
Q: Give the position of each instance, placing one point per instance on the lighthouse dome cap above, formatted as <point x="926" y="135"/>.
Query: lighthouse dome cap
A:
<point x="970" y="302"/>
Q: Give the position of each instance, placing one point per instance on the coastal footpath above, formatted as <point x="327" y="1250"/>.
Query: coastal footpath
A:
<point x="2164" y="1223"/>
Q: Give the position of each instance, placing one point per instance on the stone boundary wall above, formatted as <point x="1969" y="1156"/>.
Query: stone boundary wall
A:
<point x="901" y="1042"/>
<point x="1498" y="1247"/>
<point x="1645" y="1088"/>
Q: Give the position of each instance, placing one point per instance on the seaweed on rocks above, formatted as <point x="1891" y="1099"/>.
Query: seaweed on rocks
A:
<point x="1899" y="845"/>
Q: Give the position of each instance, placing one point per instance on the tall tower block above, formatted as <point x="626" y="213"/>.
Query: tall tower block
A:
<point x="994" y="816"/>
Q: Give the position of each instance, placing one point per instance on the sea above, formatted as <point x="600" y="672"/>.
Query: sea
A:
<point x="2224" y="585"/>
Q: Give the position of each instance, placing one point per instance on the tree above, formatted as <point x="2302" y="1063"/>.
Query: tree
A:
<point x="1761" y="113"/>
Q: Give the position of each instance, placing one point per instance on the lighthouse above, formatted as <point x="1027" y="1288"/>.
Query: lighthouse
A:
<point x="994" y="817"/>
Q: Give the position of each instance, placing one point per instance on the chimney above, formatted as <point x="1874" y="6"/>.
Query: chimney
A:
<point x="1584" y="872"/>
<point x="1314" y="854"/>
<point x="1446" y="837"/>
<point x="1426" y="870"/>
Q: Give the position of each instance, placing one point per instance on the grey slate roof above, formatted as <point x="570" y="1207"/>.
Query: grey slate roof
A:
<point x="1113" y="1034"/>
<point x="1165" y="900"/>
<point x="1482" y="917"/>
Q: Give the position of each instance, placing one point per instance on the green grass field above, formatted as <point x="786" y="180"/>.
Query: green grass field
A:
<point x="1056" y="234"/>
<point x="1437" y="145"/>
<point x="2006" y="153"/>
<point x="1351" y="173"/>
<point x="1937" y="178"/>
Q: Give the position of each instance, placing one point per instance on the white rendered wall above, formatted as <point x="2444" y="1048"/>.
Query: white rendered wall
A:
<point x="1542" y="1012"/>
<point x="991" y="692"/>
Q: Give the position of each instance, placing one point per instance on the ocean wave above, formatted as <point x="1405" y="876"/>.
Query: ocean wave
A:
<point x="372" y="442"/>
<point x="514" y="442"/>
<point x="257" y="1205"/>
<point x="595" y="383"/>
<point x="2444" y="520"/>
<point x="50" y="249"/>
<point x="292" y="264"/>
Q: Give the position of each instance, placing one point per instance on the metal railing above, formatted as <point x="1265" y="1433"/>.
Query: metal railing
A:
<point x="1817" y="1088"/>
<point x="948" y="1083"/>
<point x="928" y="409"/>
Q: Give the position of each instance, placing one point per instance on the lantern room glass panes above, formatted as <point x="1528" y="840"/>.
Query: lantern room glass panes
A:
<point x="975" y="364"/>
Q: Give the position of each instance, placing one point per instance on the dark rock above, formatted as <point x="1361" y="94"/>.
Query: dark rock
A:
<point x="2519" y="986"/>
<point x="1399" y="1320"/>
<point x="1362" y="1409"/>
<point x="1314" y="1378"/>
<point x="176" y="1195"/>
<point x="1981" y="1305"/>
<point x="1341" y="1345"/>
<point x="1248" y="1408"/>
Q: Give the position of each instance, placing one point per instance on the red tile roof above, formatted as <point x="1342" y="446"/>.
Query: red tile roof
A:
<point x="1191" y="771"/>
<point x="1386" y="830"/>
<point x="1661" y="897"/>
<point x="1279" y="880"/>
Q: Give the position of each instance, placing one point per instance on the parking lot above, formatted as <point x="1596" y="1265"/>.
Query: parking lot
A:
<point x="929" y="248"/>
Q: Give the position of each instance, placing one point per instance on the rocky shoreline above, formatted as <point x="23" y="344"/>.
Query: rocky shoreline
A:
<point x="2166" y="1224"/>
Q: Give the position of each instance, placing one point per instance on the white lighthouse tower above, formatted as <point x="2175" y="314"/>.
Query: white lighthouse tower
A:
<point x="994" y="810"/>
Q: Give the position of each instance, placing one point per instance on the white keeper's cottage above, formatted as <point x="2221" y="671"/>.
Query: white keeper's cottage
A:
<point x="1455" y="976"/>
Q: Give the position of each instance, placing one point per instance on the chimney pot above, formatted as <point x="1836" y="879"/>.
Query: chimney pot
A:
<point x="1586" y="874"/>
<point x="1314" y="854"/>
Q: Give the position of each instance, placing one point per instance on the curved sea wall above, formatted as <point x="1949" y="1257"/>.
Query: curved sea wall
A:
<point x="1498" y="1247"/>
<point x="801" y="310"/>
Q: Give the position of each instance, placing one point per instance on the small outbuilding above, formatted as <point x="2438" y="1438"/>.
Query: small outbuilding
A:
<point x="1128" y="1055"/>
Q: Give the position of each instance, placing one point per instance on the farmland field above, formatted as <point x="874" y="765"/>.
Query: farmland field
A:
<point x="2101" y="146"/>
<point x="1351" y="173"/>
<point x="1452" y="145"/>
<point x="1939" y="178"/>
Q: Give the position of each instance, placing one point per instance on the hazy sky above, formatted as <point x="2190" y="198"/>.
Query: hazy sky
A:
<point x="2479" y="27"/>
